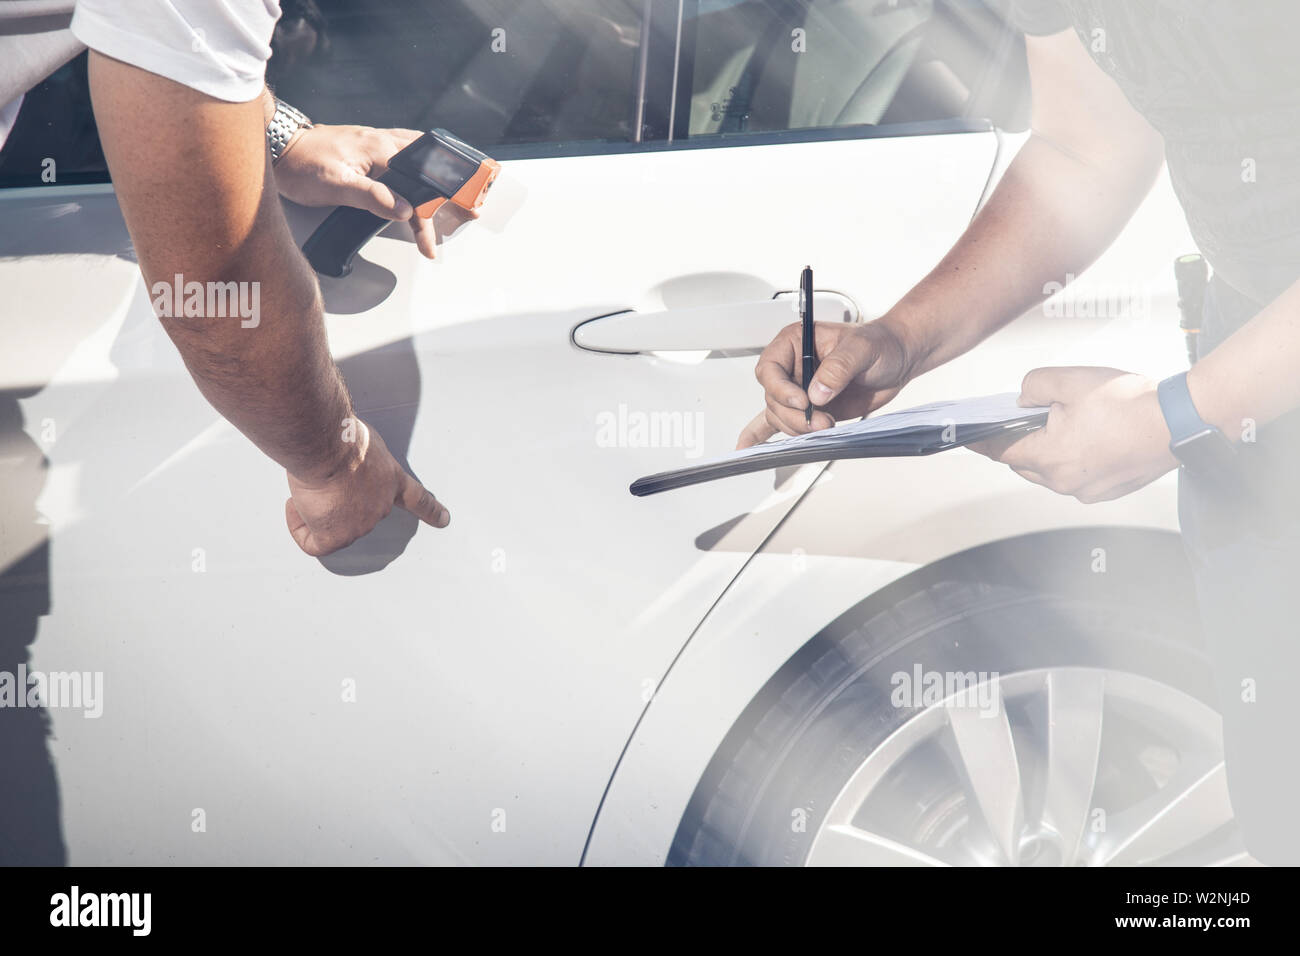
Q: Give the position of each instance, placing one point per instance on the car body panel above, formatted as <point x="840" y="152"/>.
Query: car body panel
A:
<point x="425" y="696"/>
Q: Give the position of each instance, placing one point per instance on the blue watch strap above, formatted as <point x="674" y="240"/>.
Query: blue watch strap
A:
<point x="1179" y="411"/>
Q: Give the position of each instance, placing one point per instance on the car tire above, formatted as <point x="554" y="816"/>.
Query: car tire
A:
<point x="836" y="705"/>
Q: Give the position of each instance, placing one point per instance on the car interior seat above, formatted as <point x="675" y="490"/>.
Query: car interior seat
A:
<point x="855" y="54"/>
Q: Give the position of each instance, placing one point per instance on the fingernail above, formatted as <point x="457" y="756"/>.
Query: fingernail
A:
<point x="402" y="208"/>
<point x="819" y="393"/>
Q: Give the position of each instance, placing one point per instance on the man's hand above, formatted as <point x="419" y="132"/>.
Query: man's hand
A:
<point x="860" y="368"/>
<point x="1105" y="435"/>
<point x="341" y="165"/>
<point x="327" y="514"/>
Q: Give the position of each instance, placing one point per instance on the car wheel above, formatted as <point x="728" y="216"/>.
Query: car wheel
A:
<point x="975" y="724"/>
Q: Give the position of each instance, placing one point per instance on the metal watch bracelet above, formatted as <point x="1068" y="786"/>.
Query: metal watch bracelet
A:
<point x="284" y="124"/>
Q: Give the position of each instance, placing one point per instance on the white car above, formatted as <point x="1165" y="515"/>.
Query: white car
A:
<point x="757" y="670"/>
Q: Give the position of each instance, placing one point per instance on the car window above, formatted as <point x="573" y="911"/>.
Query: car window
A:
<point x="54" y="139"/>
<point x="494" y="72"/>
<point x="533" y="76"/>
<point x="775" y="65"/>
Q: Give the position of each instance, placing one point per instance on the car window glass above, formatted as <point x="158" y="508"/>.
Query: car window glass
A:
<point x="773" y="65"/>
<point x="551" y="72"/>
<point x="54" y="139"/>
<point x="492" y="71"/>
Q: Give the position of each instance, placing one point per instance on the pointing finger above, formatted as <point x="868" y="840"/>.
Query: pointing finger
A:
<point x="415" y="498"/>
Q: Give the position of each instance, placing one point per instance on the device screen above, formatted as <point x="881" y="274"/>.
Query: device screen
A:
<point x="442" y="167"/>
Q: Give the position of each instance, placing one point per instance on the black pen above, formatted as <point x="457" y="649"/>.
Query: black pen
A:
<point x="809" y="336"/>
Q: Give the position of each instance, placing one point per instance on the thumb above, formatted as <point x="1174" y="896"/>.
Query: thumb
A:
<point x="850" y="358"/>
<point x="373" y="196"/>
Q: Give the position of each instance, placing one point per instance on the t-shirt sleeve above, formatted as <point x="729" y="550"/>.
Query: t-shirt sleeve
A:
<point x="1039" y="17"/>
<point x="218" y="47"/>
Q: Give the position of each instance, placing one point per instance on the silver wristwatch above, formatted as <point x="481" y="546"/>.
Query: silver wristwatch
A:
<point x="286" y="121"/>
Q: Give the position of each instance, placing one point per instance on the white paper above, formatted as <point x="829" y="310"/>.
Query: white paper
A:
<point x="982" y="410"/>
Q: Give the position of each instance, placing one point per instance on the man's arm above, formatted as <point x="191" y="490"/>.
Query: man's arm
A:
<point x="1251" y="376"/>
<point x="193" y="178"/>
<point x="1088" y="162"/>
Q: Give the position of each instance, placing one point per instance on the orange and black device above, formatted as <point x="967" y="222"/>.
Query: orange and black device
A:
<point x="434" y="169"/>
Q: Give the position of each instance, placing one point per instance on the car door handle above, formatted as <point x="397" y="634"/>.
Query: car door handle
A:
<point x="741" y="327"/>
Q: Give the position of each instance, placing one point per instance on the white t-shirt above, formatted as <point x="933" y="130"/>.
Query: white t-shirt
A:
<point x="218" y="47"/>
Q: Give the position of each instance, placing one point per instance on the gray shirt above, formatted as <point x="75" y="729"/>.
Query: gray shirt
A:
<point x="1220" y="80"/>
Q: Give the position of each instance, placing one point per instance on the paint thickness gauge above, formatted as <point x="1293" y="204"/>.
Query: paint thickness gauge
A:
<point x="436" y="168"/>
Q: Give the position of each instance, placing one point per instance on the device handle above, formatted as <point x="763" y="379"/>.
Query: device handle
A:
<point x="337" y="240"/>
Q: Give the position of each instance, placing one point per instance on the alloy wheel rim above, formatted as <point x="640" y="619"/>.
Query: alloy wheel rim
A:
<point x="1051" y="767"/>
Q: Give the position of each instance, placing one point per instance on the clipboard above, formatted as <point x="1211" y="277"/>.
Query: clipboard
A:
<point x="924" y="430"/>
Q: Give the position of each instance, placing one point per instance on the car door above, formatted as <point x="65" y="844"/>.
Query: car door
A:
<point x="460" y="695"/>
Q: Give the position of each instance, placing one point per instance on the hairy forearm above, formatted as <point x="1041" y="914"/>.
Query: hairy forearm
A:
<point x="275" y="381"/>
<point x="1051" y="216"/>
<point x="1250" y="378"/>
<point x="200" y="203"/>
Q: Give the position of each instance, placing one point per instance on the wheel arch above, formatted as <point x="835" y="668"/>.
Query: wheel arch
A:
<point x="1120" y="563"/>
<point x="704" y="703"/>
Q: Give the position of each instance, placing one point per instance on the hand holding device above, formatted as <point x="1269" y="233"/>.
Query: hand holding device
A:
<point x="434" y="169"/>
<point x="341" y="166"/>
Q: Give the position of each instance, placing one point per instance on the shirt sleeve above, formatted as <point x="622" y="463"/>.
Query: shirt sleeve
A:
<point x="218" y="47"/>
<point x="1039" y="17"/>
